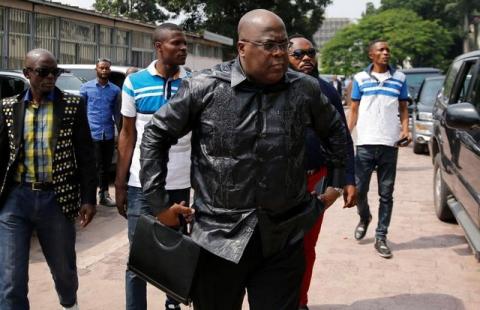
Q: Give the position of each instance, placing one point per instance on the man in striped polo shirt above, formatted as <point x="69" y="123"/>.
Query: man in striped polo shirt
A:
<point x="144" y="92"/>
<point x="379" y="96"/>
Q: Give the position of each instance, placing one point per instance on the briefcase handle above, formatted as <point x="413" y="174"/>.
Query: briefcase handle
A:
<point x="162" y="235"/>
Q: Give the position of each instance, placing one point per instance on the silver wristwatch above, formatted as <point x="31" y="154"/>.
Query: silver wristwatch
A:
<point x="339" y="190"/>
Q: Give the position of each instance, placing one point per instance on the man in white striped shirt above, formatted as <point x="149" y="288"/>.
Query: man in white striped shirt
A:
<point x="379" y="97"/>
<point x="143" y="93"/>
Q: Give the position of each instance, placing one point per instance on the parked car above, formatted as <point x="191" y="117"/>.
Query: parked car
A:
<point x="415" y="77"/>
<point x="422" y="113"/>
<point x="13" y="82"/>
<point x="455" y="147"/>
<point x="87" y="72"/>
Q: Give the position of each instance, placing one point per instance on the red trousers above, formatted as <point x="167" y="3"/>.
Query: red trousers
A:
<point x="310" y="240"/>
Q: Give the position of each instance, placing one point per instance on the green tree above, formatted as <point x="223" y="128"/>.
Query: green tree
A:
<point x="424" y="42"/>
<point x="143" y="10"/>
<point x="455" y="15"/>
<point x="222" y="16"/>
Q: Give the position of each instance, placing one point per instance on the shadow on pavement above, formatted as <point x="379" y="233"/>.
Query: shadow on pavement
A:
<point x="401" y="302"/>
<point x="106" y="227"/>
<point x="430" y="242"/>
<point x="415" y="168"/>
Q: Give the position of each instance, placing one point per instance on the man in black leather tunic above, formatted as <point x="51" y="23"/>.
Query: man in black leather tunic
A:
<point x="248" y="119"/>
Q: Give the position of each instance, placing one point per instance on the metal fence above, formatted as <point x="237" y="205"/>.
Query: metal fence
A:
<point x="75" y="41"/>
<point x="70" y="40"/>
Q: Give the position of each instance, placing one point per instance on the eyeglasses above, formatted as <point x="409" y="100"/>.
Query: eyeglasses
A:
<point x="299" y="53"/>
<point x="270" y="46"/>
<point x="44" y="72"/>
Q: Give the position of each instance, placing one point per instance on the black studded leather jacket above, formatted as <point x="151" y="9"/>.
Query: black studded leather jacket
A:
<point x="73" y="166"/>
<point x="248" y="156"/>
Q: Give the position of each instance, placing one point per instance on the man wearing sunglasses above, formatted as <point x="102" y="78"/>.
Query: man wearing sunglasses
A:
<point x="302" y="58"/>
<point x="47" y="170"/>
<point x="248" y="118"/>
<point x="103" y="100"/>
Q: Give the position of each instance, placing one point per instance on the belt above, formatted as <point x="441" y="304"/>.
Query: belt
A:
<point x="37" y="186"/>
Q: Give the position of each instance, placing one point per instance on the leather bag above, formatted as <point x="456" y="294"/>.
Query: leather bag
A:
<point x="164" y="257"/>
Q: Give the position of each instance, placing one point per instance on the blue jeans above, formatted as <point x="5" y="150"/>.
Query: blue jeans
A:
<point x="384" y="158"/>
<point x="136" y="288"/>
<point x="23" y="211"/>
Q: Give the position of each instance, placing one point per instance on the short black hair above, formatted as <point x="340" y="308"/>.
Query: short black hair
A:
<point x="101" y="59"/>
<point x="297" y="36"/>
<point x="373" y="42"/>
<point x="159" y="30"/>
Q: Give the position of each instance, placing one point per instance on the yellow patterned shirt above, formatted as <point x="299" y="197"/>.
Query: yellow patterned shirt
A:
<point x="35" y="164"/>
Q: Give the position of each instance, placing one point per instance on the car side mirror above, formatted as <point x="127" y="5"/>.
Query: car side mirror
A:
<point x="462" y="116"/>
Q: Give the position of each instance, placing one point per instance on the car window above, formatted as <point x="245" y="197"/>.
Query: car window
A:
<point x="84" y="74"/>
<point x="462" y="83"/>
<point x="68" y="82"/>
<point x="414" y="80"/>
<point x="11" y="86"/>
<point x="476" y="93"/>
<point x="429" y="91"/>
<point x="450" y="78"/>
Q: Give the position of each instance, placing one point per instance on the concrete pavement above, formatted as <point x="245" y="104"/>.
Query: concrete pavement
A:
<point x="432" y="267"/>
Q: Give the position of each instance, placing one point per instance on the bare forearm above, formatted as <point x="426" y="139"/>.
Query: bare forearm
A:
<point x="126" y="146"/>
<point x="353" y="115"/>
<point x="403" y="110"/>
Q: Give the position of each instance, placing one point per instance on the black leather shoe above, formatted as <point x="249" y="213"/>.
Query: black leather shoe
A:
<point x="361" y="229"/>
<point x="382" y="248"/>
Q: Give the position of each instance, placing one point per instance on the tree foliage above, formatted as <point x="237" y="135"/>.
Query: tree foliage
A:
<point x="451" y="14"/>
<point x="220" y="16"/>
<point x="425" y="42"/>
<point x="143" y="10"/>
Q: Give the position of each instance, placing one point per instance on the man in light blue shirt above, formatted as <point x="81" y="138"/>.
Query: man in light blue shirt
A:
<point x="103" y="108"/>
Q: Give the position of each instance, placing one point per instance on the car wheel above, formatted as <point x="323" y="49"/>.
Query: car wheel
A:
<point x="441" y="193"/>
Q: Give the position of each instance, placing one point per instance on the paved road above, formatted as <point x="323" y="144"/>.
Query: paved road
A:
<point x="432" y="267"/>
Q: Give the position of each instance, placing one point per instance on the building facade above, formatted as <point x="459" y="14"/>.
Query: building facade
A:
<point x="329" y="27"/>
<point x="79" y="36"/>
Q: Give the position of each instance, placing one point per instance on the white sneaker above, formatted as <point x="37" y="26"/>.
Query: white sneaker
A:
<point x="74" y="307"/>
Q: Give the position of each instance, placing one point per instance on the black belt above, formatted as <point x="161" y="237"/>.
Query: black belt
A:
<point x="37" y="186"/>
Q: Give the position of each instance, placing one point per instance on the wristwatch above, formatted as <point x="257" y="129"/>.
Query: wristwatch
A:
<point x="339" y="190"/>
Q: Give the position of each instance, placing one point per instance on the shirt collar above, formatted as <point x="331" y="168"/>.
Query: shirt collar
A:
<point x="28" y="96"/>
<point x="98" y="83"/>
<point x="181" y="74"/>
<point x="369" y="68"/>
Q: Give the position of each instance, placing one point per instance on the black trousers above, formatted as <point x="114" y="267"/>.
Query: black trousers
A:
<point x="272" y="283"/>
<point x="103" y="157"/>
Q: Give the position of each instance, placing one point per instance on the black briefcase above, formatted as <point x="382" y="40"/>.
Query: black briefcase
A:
<point x="164" y="257"/>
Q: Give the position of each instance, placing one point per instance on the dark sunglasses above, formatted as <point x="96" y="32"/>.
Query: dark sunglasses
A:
<point x="44" y="72"/>
<point x="299" y="54"/>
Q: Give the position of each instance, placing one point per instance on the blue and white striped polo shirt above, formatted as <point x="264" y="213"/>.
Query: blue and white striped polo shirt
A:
<point x="143" y="93"/>
<point x="378" y="116"/>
